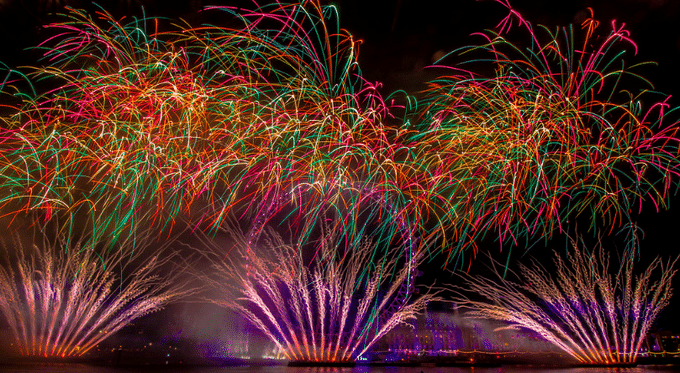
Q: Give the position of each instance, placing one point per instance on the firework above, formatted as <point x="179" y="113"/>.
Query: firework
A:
<point x="324" y="299"/>
<point x="143" y="124"/>
<point x="555" y="132"/>
<point x="594" y="316"/>
<point x="62" y="301"/>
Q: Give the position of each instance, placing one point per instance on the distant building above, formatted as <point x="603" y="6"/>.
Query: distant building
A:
<point x="661" y="343"/>
<point x="448" y="334"/>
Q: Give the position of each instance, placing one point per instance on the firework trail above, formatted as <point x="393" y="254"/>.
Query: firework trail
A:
<point x="62" y="301"/>
<point x="153" y="127"/>
<point x="554" y="133"/>
<point x="144" y="127"/>
<point x="144" y="124"/>
<point x="594" y="316"/>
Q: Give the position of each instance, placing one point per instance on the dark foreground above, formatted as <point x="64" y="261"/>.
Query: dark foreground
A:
<point x="268" y="366"/>
<point x="83" y="368"/>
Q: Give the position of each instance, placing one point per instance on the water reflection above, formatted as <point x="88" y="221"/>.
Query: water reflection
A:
<point x="78" y="368"/>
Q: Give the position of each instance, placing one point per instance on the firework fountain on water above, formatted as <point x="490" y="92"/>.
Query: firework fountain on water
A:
<point x="594" y="316"/>
<point x="143" y="125"/>
<point x="62" y="301"/>
<point x="325" y="297"/>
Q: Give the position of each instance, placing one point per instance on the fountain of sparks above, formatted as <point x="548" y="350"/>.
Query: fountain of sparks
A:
<point x="61" y="301"/>
<point x="594" y="316"/>
<point x="329" y="309"/>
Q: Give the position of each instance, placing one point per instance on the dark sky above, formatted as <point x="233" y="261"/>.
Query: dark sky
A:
<point x="401" y="37"/>
<point x="406" y="34"/>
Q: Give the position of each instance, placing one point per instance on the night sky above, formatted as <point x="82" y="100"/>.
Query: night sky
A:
<point x="401" y="37"/>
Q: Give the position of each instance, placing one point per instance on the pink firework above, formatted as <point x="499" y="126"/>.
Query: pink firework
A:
<point x="594" y="316"/>
<point x="62" y="301"/>
<point x="330" y="309"/>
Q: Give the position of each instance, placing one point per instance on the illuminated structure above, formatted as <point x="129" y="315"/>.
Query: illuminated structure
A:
<point x="448" y="338"/>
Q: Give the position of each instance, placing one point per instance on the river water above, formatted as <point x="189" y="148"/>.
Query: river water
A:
<point x="78" y="368"/>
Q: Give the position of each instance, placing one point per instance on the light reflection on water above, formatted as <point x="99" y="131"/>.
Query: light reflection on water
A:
<point x="78" y="368"/>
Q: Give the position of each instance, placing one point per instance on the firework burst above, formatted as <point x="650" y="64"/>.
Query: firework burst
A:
<point x="143" y="124"/>
<point x="555" y="132"/>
